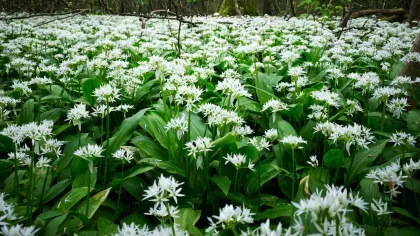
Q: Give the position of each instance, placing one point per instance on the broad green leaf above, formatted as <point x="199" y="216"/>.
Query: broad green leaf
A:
<point x="88" y="87"/>
<point x="249" y="104"/>
<point x="81" y="179"/>
<point x="369" y="191"/>
<point x="149" y="148"/>
<point x="6" y="144"/>
<point x="135" y="186"/>
<point x="144" y="89"/>
<point x="53" y="114"/>
<point x="395" y="70"/>
<point x="71" y="198"/>
<point x="125" y="131"/>
<point x="50" y="214"/>
<point x="284" y="128"/>
<point x="187" y="217"/>
<point x="138" y="170"/>
<point x="223" y="182"/>
<point x="364" y="159"/>
<point x="106" y="227"/>
<point x="264" y="85"/>
<point x="334" y="158"/>
<point x="169" y="166"/>
<point x="69" y="149"/>
<point x="405" y="213"/>
<point x="267" y="171"/>
<point x="75" y="224"/>
<point x="283" y="209"/>
<point x="412" y="184"/>
<point x="27" y="113"/>
<point x="413" y="120"/>
<point x="285" y="184"/>
<point x="155" y="126"/>
<point x="55" y="190"/>
<point x="223" y="141"/>
<point x="198" y="127"/>
<point x="54" y="225"/>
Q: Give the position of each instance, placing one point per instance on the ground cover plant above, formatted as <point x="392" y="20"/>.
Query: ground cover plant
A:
<point x="237" y="126"/>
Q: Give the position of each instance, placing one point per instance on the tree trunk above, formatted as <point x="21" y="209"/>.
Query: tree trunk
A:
<point x="413" y="12"/>
<point x="292" y="8"/>
<point x="246" y="7"/>
<point x="346" y="17"/>
<point x="383" y="12"/>
<point x="412" y="69"/>
<point x="238" y="11"/>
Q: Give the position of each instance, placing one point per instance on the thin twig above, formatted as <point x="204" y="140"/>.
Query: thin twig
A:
<point x="62" y="18"/>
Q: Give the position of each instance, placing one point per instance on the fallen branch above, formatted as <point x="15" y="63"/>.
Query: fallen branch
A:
<point x="42" y="14"/>
<point x="383" y="12"/>
<point x="62" y="18"/>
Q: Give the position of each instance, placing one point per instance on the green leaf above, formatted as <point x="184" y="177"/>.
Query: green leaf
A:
<point x="125" y="131"/>
<point x="58" y="188"/>
<point x="265" y="86"/>
<point x="139" y="170"/>
<point x="249" y="104"/>
<point x="27" y="113"/>
<point x="223" y="141"/>
<point x="149" y="148"/>
<point x="187" y="217"/>
<point x="75" y="224"/>
<point x="412" y="182"/>
<point x="395" y="70"/>
<point x="365" y="158"/>
<point x="81" y="179"/>
<point x="106" y="227"/>
<point x="267" y="171"/>
<point x="71" y="198"/>
<point x="53" y="114"/>
<point x="198" y="127"/>
<point x="369" y="191"/>
<point x="281" y="210"/>
<point x="155" y="126"/>
<point x="88" y="87"/>
<point x="413" y="120"/>
<point x="405" y="213"/>
<point x="50" y="214"/>
<point x="144" y="89"/>
<point x="69" y="149"/>
<point x="223" y="182"/>
<point x="6" y="144"/>
<point x="135" y="186"/>
<point x="169" y="166"/>
<point x="334" y="158"/>
<point x="54" y="225"/>
<point x="284" y="128"/>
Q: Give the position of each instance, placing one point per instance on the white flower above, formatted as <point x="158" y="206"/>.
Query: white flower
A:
<point x="242" y="130"/>
<point x="293" y="141"/>
<point x="52" y="146"/>
<point x="313" y="161"/>
<point x="132" y="230"/>
<point x="163" y="190"/>
<point x="188" y="95"/>
<point x="218" y="116"/>
<point x="270" y="134"/>
<point x="275" y="105"/>
<point x="329" y="98"/>
<point x="396" y="106"/>
<point x="411" y="167"/>
<point x="90" y="151"/>
<point x="14" y="132"/>
<point x="101" y="110"/>
<point x="318" y="112"/>
<point x="124" y="154"/>
<point x="400" y="138"/>
<point x="386" y="92"/>
<point x="260" y="144"/>
<point x="178" y="124"/>
<point x="380" y="207"/>
<point x="107" y="93"/>
<point x="230" y="216"/>
<point x="200" y="145"/>
<point x="43" y="162"/>
<point x="390" y="176"/>
<point x="239" y="161"/>
<point x="77" y="113"/>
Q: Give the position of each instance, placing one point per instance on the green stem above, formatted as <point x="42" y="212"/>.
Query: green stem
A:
<point x="100" y="159"/>
<point x="347" y="182"/>
<point x="43" y="190"/>
<point x="87" y="195"/>
<point x="170" y="219"/>
<point x="415" y="197"/>
<point x="119" y="192"/>
<point x="29" y="190"/>
<point x="234" y="231"/>
<point x="107" y="142"/>
<point x="259" y="182"/>
<point x="383" y="114"/>
<point x="236" y="180"/>
<point x="17" y="186"/>
<point x="294" y="173"/>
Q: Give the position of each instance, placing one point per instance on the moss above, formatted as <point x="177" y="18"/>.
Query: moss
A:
<point x="247" y="7"/>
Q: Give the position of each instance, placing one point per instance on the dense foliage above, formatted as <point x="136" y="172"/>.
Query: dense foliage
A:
<point x="263" y="126"/>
